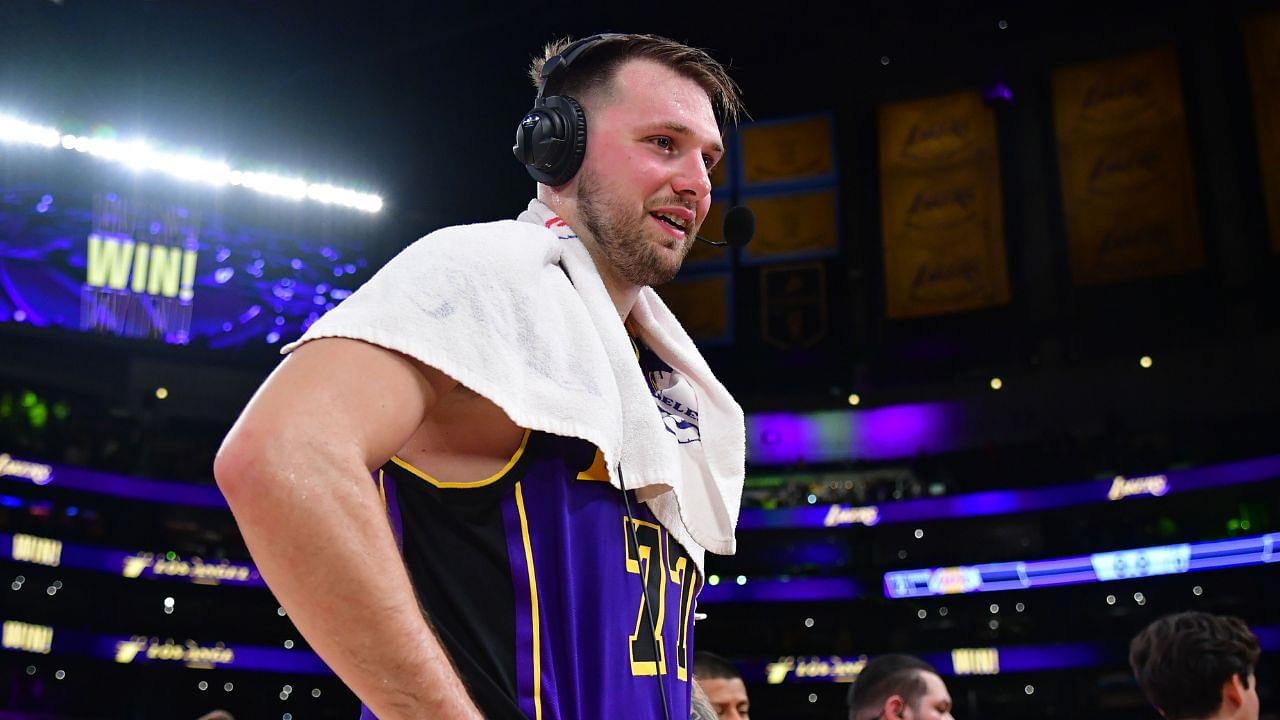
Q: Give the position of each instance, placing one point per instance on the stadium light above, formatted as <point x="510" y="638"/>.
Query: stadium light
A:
<point x="139" y="156"/>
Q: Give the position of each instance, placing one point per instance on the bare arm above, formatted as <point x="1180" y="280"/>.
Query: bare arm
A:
<point x="295" y="471"/>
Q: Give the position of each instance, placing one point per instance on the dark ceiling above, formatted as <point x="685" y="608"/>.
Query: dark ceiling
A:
<point x="417" y="100"/>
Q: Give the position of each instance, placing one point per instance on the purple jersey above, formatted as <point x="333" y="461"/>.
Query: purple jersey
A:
<point x="533" y="583"/>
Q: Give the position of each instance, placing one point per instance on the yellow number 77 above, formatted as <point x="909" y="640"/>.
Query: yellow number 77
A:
<point x="647" y="652"/>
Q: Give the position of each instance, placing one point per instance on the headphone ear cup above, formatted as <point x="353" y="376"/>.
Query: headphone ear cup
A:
<point x="576" y="135"/>
<point x="551" y="140"/>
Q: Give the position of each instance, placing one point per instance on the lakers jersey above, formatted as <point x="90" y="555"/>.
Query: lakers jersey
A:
<point x="532" y="579"/>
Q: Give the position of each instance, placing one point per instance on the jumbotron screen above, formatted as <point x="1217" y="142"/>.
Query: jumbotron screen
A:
<point x="134" y="267"/>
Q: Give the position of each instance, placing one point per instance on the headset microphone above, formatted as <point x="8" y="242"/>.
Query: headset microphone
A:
<point x="739" y="227"/>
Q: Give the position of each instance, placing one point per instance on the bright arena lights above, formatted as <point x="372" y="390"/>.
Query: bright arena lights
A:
<point x="138" y="155"/>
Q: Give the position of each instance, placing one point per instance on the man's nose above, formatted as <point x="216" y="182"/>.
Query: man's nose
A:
<point x="692" y="179"/>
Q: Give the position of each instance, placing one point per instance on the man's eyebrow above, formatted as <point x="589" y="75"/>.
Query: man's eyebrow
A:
<point x="682" y="129"/>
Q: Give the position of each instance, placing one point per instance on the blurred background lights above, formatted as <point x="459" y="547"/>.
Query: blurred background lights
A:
<point x="854" y="399"/>
<point x="1145" y="361"/>
<point x="139" y="155"/>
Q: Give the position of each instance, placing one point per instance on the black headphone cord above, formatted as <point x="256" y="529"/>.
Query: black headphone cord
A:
<point x="644" y="592"/>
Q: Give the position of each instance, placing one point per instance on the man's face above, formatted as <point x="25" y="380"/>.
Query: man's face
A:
<point x="728" y="696"/>
<point x="644" y="188"/>
<point x="935" y="704"/>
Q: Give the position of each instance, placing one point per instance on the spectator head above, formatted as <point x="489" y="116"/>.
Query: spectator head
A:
<point x="899" y="687"/>
<point x="1194" y="666"/>
<point x="723" y="685"/>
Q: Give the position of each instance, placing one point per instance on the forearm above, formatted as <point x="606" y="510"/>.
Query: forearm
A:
<point x="318" y="532"/>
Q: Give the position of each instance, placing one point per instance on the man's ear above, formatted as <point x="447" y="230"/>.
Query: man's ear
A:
<point x="1233" y="691"/>
<point x="894" y="707"/>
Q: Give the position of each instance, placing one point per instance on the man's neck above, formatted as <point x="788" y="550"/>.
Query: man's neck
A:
<point x="622" y="293"/>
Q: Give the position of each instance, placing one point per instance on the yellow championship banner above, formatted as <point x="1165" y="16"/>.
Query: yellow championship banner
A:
<point x="793" y="224"/>
<point x="701" y="303"/>
<point x="942" y="208"/>
<point x="1262" y="45"/>
<point x="1127" y="186"/>
<point x="788" y="151"/>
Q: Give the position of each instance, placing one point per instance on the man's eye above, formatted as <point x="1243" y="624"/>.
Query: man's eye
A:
<point x="663" y="142"/>
<point x="708" y="161"/>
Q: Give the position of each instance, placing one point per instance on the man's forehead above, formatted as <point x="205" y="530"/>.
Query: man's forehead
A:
<point x="659" y="95"/>
<point x="719" y="689"/>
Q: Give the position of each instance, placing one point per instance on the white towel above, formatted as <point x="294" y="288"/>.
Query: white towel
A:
<point x="490" y="306"/>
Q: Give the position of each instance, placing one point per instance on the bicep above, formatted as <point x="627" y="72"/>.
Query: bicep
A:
<point x="343" y="395"/>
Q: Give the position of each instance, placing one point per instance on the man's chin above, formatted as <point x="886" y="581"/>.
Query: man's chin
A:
<point x="664" y="276"/>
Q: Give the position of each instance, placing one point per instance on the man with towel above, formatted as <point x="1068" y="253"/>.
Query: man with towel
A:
<point x="552" y="455"/>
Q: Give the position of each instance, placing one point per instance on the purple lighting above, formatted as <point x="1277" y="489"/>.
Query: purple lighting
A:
<point x="998" y="92"/>
<point x="878" y="434"/>
<point x="998" y="502"/>
<point x="1098" y="567"/>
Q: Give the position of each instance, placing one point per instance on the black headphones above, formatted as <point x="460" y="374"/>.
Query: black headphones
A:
<point x="551" y="139"/>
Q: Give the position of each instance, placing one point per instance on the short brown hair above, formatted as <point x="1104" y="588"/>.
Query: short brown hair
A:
<point x="1181" y="661"/>
<point x="886" y="676"/>
<point x="595" y="68"/>
<point x="709" y="666"/>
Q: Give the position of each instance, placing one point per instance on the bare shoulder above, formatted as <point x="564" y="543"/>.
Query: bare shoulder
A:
<point x="363" y="363"/>
<point x="466" y="437"/>
<point x="335" y="393"/>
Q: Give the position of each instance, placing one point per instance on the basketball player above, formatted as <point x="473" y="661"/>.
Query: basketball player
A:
<point x="526" y="584"/>
<point x="899" y="687"/>
<point x="1197" y="666"/>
